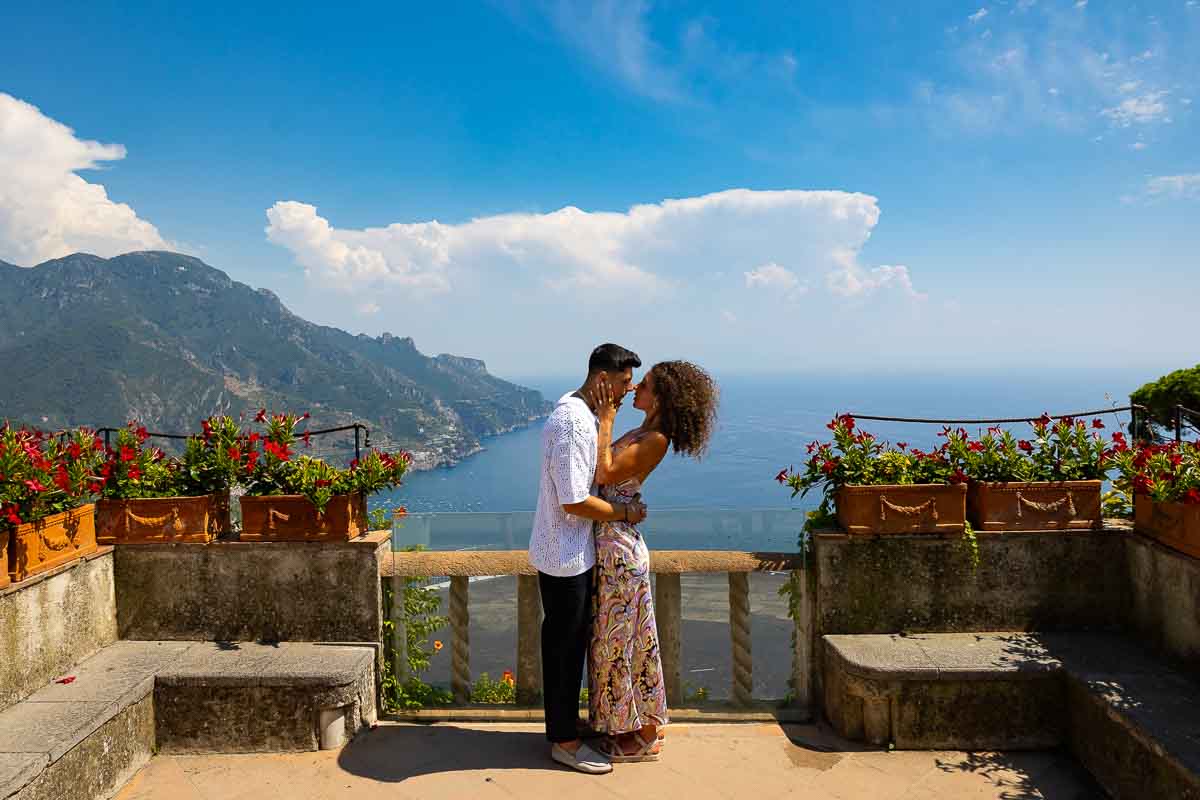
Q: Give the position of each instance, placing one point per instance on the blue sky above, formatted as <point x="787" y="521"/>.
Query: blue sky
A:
<point x="948" y="186"/>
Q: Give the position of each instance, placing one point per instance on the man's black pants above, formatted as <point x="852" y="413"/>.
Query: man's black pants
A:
<point x="566" y="633"/>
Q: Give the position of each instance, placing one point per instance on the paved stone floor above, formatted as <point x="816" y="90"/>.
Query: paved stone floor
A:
<point x="756" y="761"/>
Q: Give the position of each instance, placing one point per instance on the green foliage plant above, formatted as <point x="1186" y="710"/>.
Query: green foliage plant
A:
<point x="277" y="470"/>
<point x="486" y="690"/>
<point x="1163" y="472"/>
<point x="42" y="474"/>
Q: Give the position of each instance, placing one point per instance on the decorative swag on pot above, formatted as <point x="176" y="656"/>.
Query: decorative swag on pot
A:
<point x="290" y="497"/>
<point x="997" y="482"/>
<point x="150" y="498"/>
<point x="47" y="483"/>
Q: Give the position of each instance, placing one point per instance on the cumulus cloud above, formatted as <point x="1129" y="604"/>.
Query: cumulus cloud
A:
<point x="46" y="209"/>
<point x="771" y="276"/>
<point x="1142" y="109"/>
<point x="978" y="15"/>
<point x="643" y="252"/>
<point x="1174" y="185"/>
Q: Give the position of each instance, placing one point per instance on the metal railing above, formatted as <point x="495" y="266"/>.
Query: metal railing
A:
<point x="361" y="432"/>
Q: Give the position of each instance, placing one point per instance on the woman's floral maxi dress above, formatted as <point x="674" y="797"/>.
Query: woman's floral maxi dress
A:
<point x="625" y="682"/>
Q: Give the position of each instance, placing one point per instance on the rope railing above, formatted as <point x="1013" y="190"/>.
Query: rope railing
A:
<point x="1000" y="420"/>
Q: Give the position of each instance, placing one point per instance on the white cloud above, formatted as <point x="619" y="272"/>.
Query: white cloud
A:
<point x="1143" y="109"/>
<point x="852" y="281"/>
<point x="771" y="276"/>
<point x="46" y="209"/>
<point x="978" y="15"/>
<point x="634" y="254"/>
<point x="1187" y="185"/>
<point x="1129" y="86"/>
<point x="1081" y="3"/>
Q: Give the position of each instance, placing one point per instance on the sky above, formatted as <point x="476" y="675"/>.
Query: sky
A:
<point x="758" y="187"/>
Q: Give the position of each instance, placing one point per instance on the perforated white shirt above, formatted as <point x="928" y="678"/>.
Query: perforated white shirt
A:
<point x="562" y="544"/>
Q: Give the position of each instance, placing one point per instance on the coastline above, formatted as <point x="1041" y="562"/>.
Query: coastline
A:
<point x="429" y="460"/>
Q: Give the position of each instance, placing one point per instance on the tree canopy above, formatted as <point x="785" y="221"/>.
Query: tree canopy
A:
<point x="1179" y="388"/>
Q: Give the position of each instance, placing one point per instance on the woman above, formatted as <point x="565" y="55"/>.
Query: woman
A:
<point x="627" y="698"/>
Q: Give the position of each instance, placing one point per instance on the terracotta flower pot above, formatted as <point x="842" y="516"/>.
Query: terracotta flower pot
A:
<point x="916" y="508"/>
<point x="1176" y="525"/>
<point x="293" y="517"/>
<point x="1037" y="506"/>
<point x="52" y="541"/>
<point x="162" y="519"/>
<point x="4" y="579"/>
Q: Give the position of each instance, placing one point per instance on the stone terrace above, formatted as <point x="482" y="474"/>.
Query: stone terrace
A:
<point x="482" y="760"/>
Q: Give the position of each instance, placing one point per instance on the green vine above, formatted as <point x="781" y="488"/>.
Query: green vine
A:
<point x="422" y="621"/>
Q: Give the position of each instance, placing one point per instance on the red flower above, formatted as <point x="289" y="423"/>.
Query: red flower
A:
<point x="235" y="453"/>
<point x="135" y="473"/>
<point x="95" y="487"/>
<point x="10" y="512"/>
<point x="61" y="479"/>
<point x="1025" y="445"/>
<point x="74" y="450"/>
<point x="812" y="446"/>
<point x="97" y="443"/>
<point x="261" y="416"/>
<point x="321" y="482"/>
<point x="782" y="476"/>
<point x="254" y="437"/>
<point x="141" y="433"/>
<point x="128" y="453"/>
<point x="829" y="466"/>
<point x="34" y="485"/>
<point x="400" y="511"/>
<point x="975" y="447"/>
<point x="206" y="426"/>
<point x="251" y="458"/>
<point x="1192" y="497"/>
<point x="902" y="445"/>
<point x="959" y="476"/>
<point x="305" y="437"/>
<point x="280" y="451"/>
<point x="1098" y="424"/>
<point x="1043" y="420"/>
<point x="305" y="415"/>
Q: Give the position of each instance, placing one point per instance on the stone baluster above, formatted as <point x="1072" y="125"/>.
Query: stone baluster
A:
<point x="460" y="627"/>
<point x="739" y="631"/>
<point x="529" y="640"/>
<point x="802" y="652"/>
<point x="668" y="614"/>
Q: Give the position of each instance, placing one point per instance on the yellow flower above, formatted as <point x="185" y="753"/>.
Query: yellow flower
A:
<point x="508" y="677"/>
<point x="437" y="645"/>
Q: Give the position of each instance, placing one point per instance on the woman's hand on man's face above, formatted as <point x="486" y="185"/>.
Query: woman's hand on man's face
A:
<point x="604" y="400"/>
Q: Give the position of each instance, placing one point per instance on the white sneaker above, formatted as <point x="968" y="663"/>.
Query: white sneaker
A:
<point x="585" y="759"/>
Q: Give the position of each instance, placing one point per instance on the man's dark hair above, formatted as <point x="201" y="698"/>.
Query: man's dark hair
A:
<point x="612" y="358"/>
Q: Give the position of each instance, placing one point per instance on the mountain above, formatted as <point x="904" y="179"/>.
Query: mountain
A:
<point x="166" y="339"/>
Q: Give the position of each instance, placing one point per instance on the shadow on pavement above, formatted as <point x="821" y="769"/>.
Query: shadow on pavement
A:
<point x="392" y="754"/>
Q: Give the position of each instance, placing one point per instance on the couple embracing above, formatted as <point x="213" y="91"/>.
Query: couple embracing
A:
<point x="592" y="562"/>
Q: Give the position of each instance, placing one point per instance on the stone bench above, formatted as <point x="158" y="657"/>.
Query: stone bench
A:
<point x="85" y="738"/>
<point x="1133" y="721"/>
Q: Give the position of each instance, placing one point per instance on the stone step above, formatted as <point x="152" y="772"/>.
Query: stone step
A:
<point x="245" y="698"/>
<point x="1132" y="720"/>
<point x="85" y="738"/>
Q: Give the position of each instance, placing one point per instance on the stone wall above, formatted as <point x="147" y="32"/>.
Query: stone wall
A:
<point x="1055" y="580"/>
<point x="50" y="622"/>
<point x="1165" y="608"/>
<point x="252" y="591"/>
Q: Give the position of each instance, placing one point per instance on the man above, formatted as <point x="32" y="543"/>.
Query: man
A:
<point x="563" y="549"/>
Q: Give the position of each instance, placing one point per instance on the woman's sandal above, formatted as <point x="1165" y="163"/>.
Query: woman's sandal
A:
<point x="637" y="750"/>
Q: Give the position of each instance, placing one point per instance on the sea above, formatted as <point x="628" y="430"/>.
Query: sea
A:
<point x="764" y="424"/>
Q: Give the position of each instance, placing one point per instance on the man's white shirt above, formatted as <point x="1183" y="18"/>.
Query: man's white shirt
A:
<point x="562" y="544"/>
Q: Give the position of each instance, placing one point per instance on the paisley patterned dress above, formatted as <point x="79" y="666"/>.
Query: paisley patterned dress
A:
<point x="625" y="681"/>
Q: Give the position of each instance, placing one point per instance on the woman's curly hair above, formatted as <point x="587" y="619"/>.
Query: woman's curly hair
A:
<point x="687" y="397"/>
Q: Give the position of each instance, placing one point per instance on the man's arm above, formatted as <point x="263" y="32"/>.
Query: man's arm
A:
<point x="593" y="508"/>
